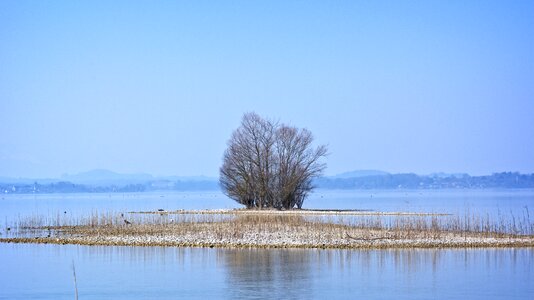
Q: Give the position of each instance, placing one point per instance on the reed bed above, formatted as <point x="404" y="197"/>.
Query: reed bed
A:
<point x="264" y="229"/>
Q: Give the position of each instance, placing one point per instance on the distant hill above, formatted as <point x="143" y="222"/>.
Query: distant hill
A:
<point x="102" y="176"/>
<point x="100" y="180"/>
<point x="445" y="175"/>
<point x="189" y="178"/>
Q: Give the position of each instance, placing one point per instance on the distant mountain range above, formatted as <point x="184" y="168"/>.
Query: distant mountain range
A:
<point x="101" y="180"/>
<point x="100" y="176"/>
<point x="106" y="177"/>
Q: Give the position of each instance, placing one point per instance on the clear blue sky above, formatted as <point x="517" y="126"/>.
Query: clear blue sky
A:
<point x="158" y="86"/>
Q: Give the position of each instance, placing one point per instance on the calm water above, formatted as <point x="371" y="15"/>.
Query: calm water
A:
<point x="44" y="271"/>
<point x="493" y="202"/>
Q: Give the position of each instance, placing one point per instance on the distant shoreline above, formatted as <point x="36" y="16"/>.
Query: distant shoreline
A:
<point x="369" y="181"/>
<point x="275" y="229"/>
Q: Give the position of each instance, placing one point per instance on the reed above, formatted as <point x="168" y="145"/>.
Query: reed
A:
<point x="263" y="228"/>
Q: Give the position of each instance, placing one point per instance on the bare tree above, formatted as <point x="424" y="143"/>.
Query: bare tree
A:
<point x="270" y="165"/>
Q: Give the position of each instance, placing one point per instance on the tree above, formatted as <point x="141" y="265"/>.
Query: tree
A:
<point x="270" y="165"/>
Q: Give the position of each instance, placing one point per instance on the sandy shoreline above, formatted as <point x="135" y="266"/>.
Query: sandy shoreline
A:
<point x="288" y="242"/>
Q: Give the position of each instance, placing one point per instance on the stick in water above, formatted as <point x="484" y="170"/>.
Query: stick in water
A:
<point x="75" y="285"/>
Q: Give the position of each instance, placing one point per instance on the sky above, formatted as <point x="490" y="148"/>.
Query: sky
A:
<point x="158" y="86"/>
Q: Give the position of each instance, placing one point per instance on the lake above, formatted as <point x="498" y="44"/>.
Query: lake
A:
<point x="45" y="271"/>
<point x="503" y="202"/>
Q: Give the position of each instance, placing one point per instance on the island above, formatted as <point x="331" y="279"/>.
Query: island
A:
<point x="297" y="228"/>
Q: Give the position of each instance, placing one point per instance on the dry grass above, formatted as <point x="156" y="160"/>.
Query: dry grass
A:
<point x="253" y="228"/>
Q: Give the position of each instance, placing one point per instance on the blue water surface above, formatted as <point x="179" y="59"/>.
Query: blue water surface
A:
<point x="45" y="272"/>
<point x="505" y="202"/>
<point x="33" y="271"/>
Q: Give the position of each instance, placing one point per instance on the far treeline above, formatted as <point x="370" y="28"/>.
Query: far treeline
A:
<point x="390" y="181"/>
<point x="414" y="181"/>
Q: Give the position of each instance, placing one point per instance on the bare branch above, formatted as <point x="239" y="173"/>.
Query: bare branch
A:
<point x="270" y="165"/>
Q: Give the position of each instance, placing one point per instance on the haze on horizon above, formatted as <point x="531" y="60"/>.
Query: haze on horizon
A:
<point x="159" y="86"/>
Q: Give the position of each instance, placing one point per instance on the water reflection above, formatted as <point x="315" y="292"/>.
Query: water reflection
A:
<point x="255" y="272"/>
<point x="43" y="271"/>
<point x="426" y="273"/>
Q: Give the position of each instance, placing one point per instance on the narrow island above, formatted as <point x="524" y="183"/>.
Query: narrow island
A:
<point x="269" y="168"/>
<point x="243" y="228"/>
